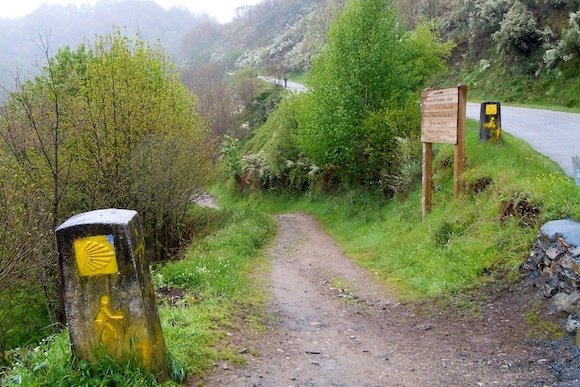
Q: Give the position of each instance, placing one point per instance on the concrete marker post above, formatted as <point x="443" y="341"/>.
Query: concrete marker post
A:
<point x="110" y="305"/>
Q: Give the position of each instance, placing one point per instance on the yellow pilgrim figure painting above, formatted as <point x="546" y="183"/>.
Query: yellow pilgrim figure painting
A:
<point x="107" y="321"/>
<point x="95" y="255"/>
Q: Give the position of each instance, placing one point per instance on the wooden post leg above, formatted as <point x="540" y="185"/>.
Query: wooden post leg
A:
<point x="459" y="162"/>
<point x="426" y="199"/>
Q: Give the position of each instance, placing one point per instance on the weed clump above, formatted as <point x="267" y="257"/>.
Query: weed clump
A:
<point x="522" y="210"/>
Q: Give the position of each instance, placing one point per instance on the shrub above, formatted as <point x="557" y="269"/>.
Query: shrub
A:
<point x="110" y="125"/>
<point x="371" y="71"/>
<point x="568" y="48"/>
<point x="106" y="125"/>
<point x="230" y="156"/>
<point x="519" y="32"/>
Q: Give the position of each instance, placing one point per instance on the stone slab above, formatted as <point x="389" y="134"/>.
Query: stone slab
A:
<point x="569" y="229"/>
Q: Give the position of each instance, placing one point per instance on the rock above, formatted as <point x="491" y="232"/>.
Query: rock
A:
<point x="568" y="229"/>
<point x="556" y="267"/>
<point x="542" y="243"/>
<point x="546" y="261"/>
<point x="576" y="267"/>
<point x="550" y="288"/>
<point x="567" y="262"/>
<point x="563" y="302"/>
<point x="543" y="279"/>
<point x="573" y="323"/>
<point x="528" y="266"/>
<point x="552" y="253"/>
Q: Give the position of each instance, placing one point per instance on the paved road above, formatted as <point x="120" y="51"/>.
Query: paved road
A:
<point x="554" y="134"/>
<point x="297" y="87"/>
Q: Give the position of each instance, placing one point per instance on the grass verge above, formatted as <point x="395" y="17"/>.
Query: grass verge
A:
<point x="213" y="285"/>
<point x="463" y="243"/>
<point x="556" y="88"/>
<point x="201" y="298"/>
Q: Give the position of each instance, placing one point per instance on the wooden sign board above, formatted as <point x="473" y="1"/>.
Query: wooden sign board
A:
<point x="439" y="112"/>
<point x="443" y="116"/>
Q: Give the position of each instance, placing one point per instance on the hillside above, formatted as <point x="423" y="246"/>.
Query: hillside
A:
<point x="514" y="50"/>
<point x="273" y="33"/>
<point x="112" y="125"/>
<point x="70" y="26"/>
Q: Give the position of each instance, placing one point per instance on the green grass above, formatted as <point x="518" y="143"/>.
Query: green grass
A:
<point x="217" y="274"/>
<point x="24" y="318"/>
<point x="216" y="293"/>
<point x="557" y="90"/>
<point x="51" y="363"/>
<point x="462" y="244"/>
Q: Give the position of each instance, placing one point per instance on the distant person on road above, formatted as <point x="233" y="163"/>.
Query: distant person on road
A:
<point x="285" y="81"/>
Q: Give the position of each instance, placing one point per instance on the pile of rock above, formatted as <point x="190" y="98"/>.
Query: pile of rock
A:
<point x="554" y="266"/>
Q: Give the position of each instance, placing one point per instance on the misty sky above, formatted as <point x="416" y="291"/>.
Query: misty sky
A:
<point x="223" y="10"/>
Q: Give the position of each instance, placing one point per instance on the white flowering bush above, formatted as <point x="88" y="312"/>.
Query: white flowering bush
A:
<point x="519" y="32"/>
<point x="567" y="49"/>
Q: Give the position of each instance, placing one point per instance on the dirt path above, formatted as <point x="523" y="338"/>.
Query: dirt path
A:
<point x="335" y="326"/>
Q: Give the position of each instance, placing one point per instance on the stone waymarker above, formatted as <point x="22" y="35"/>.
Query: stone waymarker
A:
<point x="108" y="293"/>
<point x="490" y="122"/>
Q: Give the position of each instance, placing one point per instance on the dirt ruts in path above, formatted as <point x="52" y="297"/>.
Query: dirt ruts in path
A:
<point x="336" y="326"/>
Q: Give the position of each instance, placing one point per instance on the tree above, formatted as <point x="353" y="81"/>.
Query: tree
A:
<point x="215" y="103"/>
<point x="247" y="86"/>
<point x="25" y="239"/>
<point x="430" y="11"/>
<point x="108" y="125"/>
<point x="195" y="42"/>
<point x="371" y="71"/>
<point x="36" y="127"/>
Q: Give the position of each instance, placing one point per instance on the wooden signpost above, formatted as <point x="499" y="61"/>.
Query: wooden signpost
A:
<point x="443" y="122"/>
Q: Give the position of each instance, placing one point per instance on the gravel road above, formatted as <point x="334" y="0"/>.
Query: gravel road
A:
<point x="336" y="325"/>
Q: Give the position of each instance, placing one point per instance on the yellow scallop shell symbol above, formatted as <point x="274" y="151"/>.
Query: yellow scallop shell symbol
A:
<point x="96" y="255"/>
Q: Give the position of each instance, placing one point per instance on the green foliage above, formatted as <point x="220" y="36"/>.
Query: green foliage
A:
<point x="519" y="32"/>
<point x="110" y="125"/>
<point x="212" y="283"/>
<point x="277" y="137"/>
<point x="214" y="267"/>
<point x="462" y="243"/>
<point x="106" y="125"/>
<point x="216" y="273"/>
<point x="552" y="88"/>
<point x="274" y="160"/>
<point x="521" y="51"/>
<point x="24" y="316"/>
<point x="370" y="72"/>
<point x="51" y="363"/>
<point x="567" y="50"/>
<point x="406" y="170"/>
<point x="231" y="157"/>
